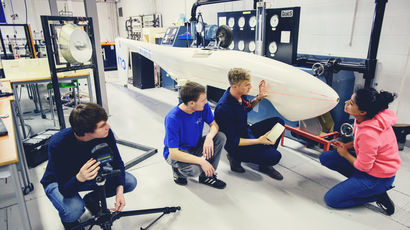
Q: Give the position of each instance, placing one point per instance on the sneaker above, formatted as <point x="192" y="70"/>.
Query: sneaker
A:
<point x="385" y="203"/>
<point x="178" y="178"/>
<point x="212" y="181"/>
<point x="91" y="204"/>
<point x="235" y="165"/>
<point x="270" y="171"/>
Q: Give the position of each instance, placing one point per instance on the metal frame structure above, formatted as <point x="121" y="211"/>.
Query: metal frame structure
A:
<point x="22" y="166"/>
<point x="29" y="38"/>
<point x="368" y="67"/>
<point x="149" y="151"/>
<point x="322" y="139"/>
<point x="50" y="37"/>
<point x="193" y="19"/>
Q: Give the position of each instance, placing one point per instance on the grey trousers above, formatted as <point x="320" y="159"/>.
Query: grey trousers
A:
<point x="194" y="170"/>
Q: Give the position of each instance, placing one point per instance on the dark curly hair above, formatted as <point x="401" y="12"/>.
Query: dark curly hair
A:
<point x="371" y="101"/>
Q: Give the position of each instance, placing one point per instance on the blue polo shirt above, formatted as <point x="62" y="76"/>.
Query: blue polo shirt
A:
<point x="183" y="130"/>
<point x="232" y="118"/>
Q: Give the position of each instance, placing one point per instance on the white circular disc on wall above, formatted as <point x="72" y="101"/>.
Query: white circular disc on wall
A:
<point x="273" y="47"/>
<point x="252" y="21"/>
<point x="241" y="45"/>
<point x="231" y="22"/>
<point x="251" y="46"/>
<point x="241" y="22"/>
<point x="232" y="45"/>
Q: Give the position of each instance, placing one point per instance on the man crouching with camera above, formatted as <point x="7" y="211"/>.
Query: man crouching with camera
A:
<point x="72" y="168"/>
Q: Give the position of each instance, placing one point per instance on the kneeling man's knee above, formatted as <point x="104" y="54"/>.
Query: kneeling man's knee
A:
<point x="220" y="137"/>
<point x="73" y="209"/>
<point x="130" y="182"/>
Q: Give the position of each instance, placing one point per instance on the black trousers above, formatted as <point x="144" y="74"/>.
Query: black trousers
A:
<point x="266" y="155"/>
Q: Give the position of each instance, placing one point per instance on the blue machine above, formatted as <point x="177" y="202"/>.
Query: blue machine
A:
<point x="109" y="56"/>
<point x="175" y="36"/>
<point x="343" y="84"/>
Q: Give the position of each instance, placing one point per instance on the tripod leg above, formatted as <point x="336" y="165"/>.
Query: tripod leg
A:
<point x="153" y="222"/>
<point x="106" y="226"/>
<point x="165" y="210"/>
<point x="90" y="222"/>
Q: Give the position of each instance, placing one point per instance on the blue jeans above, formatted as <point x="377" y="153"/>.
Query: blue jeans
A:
<point x="70" y="209"/>
<point x="360" y="188"/>
<point x="265" y="155"/>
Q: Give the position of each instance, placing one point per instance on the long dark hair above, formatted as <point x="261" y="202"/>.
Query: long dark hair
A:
<point x="373" y="102"/>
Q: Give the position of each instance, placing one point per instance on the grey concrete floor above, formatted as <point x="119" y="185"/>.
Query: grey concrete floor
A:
<point x="250" y="200"/>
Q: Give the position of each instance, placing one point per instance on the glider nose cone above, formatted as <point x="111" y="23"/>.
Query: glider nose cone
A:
<point x="305" y="102"/>
<point x="330" y="99"/>
<point x="332" y="96"/>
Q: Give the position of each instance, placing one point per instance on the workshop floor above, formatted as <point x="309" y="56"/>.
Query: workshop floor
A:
<point x="250" y="200"/>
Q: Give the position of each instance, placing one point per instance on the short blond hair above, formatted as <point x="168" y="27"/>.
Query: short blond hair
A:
<point x="237" y="75"/>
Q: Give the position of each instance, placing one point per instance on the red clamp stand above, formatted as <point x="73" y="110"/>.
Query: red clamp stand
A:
<point x="319" y="139"/>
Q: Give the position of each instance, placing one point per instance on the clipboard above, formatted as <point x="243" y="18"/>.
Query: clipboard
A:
<point x="276" y="132"/>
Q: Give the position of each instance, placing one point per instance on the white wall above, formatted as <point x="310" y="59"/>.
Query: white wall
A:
<point x="134" y="8"/>
<point x="171" y="10"/>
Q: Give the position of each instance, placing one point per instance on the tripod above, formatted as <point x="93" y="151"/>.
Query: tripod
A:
<point x="105" y="218"/>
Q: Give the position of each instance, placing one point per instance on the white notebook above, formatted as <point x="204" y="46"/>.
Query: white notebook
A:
<point x="276" y="132"/>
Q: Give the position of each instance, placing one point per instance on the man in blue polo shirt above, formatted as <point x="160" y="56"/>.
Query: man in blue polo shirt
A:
<point x="246" y="143"/>
<point x="188" y="152"/>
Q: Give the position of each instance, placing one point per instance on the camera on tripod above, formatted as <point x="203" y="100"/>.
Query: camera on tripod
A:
<point x="103" y="153"/>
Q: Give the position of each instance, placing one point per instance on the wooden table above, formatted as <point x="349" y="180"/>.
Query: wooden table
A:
<point x="9" y="156"/>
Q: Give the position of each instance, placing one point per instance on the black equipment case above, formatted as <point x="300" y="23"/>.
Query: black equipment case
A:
<point x="36" y="147"/>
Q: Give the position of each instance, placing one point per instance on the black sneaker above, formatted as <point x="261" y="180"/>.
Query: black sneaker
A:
<point x="385" y="203"/>
<point x="235" y="165"/>
<point x="270" y="171"/>
<point x="91" y="204"/>
<point x="212" y="181"/>
<point x="178" y="178"/>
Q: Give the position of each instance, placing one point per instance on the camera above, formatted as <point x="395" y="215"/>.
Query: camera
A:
<point x="102" y="153"/>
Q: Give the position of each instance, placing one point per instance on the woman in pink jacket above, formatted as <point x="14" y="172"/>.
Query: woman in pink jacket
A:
<point x="372" y="168"/>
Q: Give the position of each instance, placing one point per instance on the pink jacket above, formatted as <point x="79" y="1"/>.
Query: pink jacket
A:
<point x="376" y="145"/>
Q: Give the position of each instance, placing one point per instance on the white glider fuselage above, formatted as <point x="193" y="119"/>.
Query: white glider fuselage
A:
<point x="295" y="94"/>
